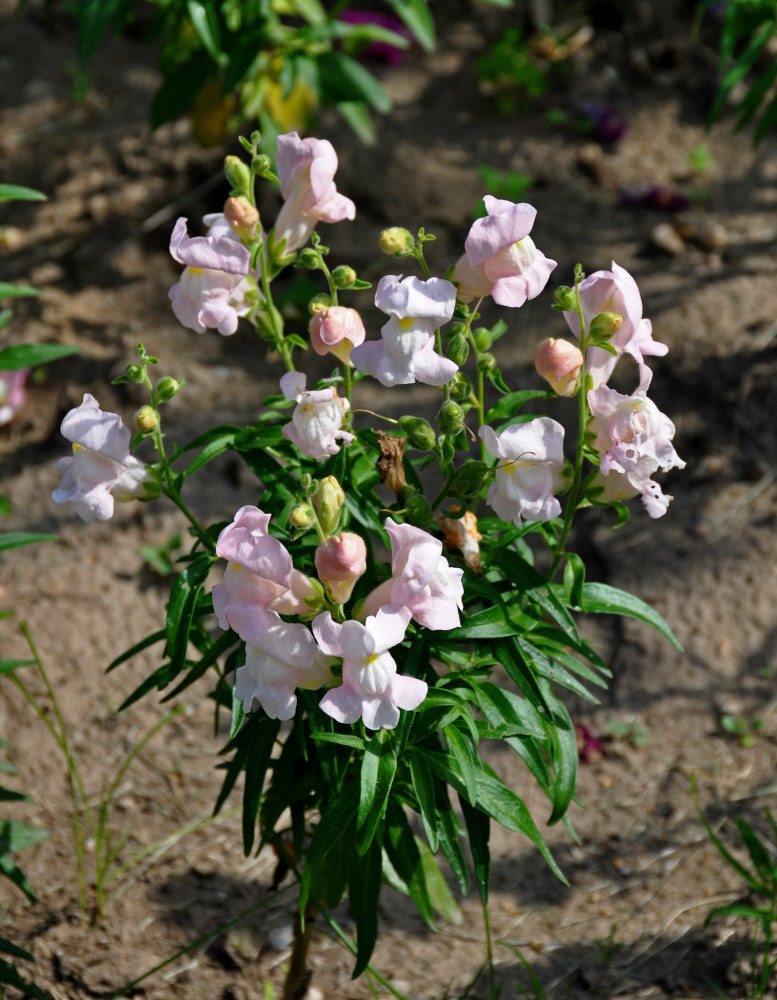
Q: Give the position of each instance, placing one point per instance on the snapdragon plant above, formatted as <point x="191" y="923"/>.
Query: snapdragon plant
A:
<point x="405" y="594"/>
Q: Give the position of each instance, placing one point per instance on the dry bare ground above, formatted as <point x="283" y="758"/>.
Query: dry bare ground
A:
<point x="643" y="874"/>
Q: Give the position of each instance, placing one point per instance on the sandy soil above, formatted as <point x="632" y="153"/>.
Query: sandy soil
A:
<point x="643" y="874"/>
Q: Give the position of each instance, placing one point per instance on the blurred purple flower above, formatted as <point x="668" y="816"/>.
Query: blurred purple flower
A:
<point x="382" y="51"/>
<point x="589" y="747"/>
<point x="655" y="197"/>
<point x="609" y="125"/>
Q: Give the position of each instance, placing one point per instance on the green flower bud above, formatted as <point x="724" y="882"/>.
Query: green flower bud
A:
<point x="343" y="276"/>
<point x="418" y="511"/>
<point x="460" y="387"/>
<point x="146" y="419"/>
<point x="482" y="338"/>
<point x="486" y="363"/>
<point x="309" y="258"/>
<point x="450" y="417"/>
<point x="328" y="501"/>
<point x="458" y="349"/>
<point x="419" y="433"/>
<point x="319" y="303"/>
<point x="566" y="298"/>
<point x="469" y="480"/>
<point x="306" y="481"/>
<point x="396" y="240"/>
<point x="261" y="165"/>
<point x="301" y="515"/>
<point x="238" y="174"/>
<point x="605" y="325"/>
<point x="167" y="387"/>
<point x="135" y="373"/>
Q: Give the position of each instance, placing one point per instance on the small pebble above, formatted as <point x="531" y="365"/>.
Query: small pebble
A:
<point x="666" y="238"/>
<point x="279" y="938"/>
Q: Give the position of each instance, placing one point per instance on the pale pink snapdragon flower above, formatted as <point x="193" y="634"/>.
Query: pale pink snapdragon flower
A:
<point x="212" y="293"/>
<point x="12" y="394"/>
<point x="316" y="426"/>
<point x="405" y="353"/>
<point x="500" y="258"/>
<point x="336" y="330"/>
<point x="616" y="292"/>
<point x="101" y="470"/>
<point x="529" y="472"/>
<point x="340" y="561"/>
<point x="634" y="439"/>
<point x="371" y="689"/>
<point x="306" y="170"/>
<point x="422" y="579"/>
<point x="287" y="658"/>
<point x="259" y="579"/>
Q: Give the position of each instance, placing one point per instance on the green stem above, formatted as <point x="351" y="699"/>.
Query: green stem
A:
<point x="174" y="495"/>
<point x="444" y="491"/>
<point x="279" y="341"/>
<point x="582" y="420"/>
<point x="103" y="855"/>
<point x="482" y="411"/>
<point x="75" y="782"/>
<point x="170" y="491"/>
<point x="489" y="953"/>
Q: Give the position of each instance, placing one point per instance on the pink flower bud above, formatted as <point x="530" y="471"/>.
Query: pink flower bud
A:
<point x="340" y="561"/>
<point x="242" y="216"/>
<point x="559" y="363"/>
<point x="337" y="329"/>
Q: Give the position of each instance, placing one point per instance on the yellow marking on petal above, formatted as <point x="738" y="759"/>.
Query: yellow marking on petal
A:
<point x="406" y="323"/>
<point x="371" y="659"/>
<point x="236" y="567"/>
<point x="196" y="270"/>
<point x="76" y="447"/>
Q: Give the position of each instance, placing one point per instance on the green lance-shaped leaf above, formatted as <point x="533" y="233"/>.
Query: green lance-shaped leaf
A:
<point x="19" y="356"/>
<point x="604" y="599"/>
<point x="759" y="855"/>
<point x="262" y="738"/>
<point x="424" y="788"/>
<point x="16" y="836"/>
<point x="504" y="408"/>
<point x="342" y="78"/>
<point x="181" y="610"/>
<point x="364" y="885"/>
<point x="493" y="623"/>
<point x="506" y="808"/>
<point x="206" y="25"/>
<point x="16" y="192"/>
<point x="16" y="539"/>
<point x="744" y="63"/>
<point x="336" y="821"/>
<point x="565" y="761"/>
<point x="8" y="666"/>
<point x="379" y="765"/>
<point x="464" y="759"/>
<point x="8" y="290"/>
<point x="478" y="831"/>
<point x="405" y="857"/>
<point x="13" y="873"/>
<point x="8" y="948"/>
<point x="450" y="831"/>
<point x="418" y="18"/>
